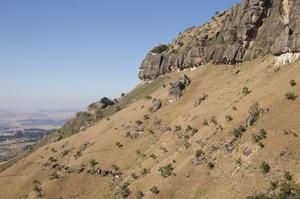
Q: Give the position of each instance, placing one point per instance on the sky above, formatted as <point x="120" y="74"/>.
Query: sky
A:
<point x="65" y="54"/>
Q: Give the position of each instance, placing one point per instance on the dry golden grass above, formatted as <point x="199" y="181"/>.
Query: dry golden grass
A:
<point x="225" y="180"/>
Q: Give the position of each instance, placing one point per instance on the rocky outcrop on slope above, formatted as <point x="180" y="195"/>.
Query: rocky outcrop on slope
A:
<point x="250" y="29"/>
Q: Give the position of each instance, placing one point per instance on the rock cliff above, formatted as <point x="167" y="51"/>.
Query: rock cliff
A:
<point x="246" y="31"/>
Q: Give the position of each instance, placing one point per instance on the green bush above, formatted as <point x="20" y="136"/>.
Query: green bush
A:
<point x="211" y="165"/>
<point x="166" y="170"/>
<point x="238" y="132"/>
<point x="139" y="195"/>
<point x="265" y="167"/>
<point x="228" y="118"/>
<point x="53" y="175"/>
<point x="293" y="83"/>
<point x="291" y="96"/>
<point x="124" y="191"/>
<point x="154" y="190"/>
<point x="93" y="163"/>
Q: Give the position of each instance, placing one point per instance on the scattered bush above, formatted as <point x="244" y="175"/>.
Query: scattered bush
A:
<point x="53" y="175"/>
<point x="246" y="91"/>
<point x="256" y="138"/>
<point x="288" y="176"/>
<point x="52" y="159"/>
<point x="238" y="132"/>
<point x="77" y="154"/>
<point x="265" y="167"/>
<point x="145" y="172"/>
<point x="93" y="163"/>
<point x="205" y="122"/>
<point x="293" y="83"/>
<point x="124" y="191"/>
<point x="139" y="122"/>
<point x="234" y="108"/>
<point x="153" y="156"/>
<point x="291" y="96"/>
<point x="134" y="176"/>
<point x="148" y="97"/>
<point x="228" y="118"/>
<point x="211" y="165"/>
<point x="146" y="117"/>
<point x="285" y="190"/>
<point x="213" y="120"/>
<point x="166" y="171"/>
<point x="238" y="162"/>
<point x="254" y="110"/>
<point x="119" y="144"/>
<point x="154" y="190"/>
<point x="199" y="153"/>
<point x="164" y="149"/>
<point x="139" y="195"/>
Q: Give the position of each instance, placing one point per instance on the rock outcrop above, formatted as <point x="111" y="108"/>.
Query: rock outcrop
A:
<point x="248" y="30"/>
<point x="96" y="107"/>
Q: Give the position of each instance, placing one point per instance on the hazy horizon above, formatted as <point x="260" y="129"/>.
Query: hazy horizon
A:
<point x="66" y="54"/>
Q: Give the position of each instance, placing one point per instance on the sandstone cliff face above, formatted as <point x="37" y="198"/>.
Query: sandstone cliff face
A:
<point x="250" y="29"/>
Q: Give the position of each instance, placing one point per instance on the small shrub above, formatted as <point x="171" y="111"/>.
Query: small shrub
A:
<point x="199" y="153"/>
<point x="77" y="154"/>
<point x="265" y="167"/>
<point x="148" y="97"/>
<point x="139" y="122"/>
<point x="211" y="165"/>
<point x="205" y="122"/>
<point x="151" y="109"/>
<point x="37" y="188"/>
<point x="166" y="171"/>
<point x="234" y="108"/>
<point x="52" y="159"/>
<point x="146" y="117"/>
<point x="246" y="91"/>
<point x="238" y="162"/>
<point x="124" y="190"/>
<point x="213" y="120"/>
<point x="145" y="172"/>
<point x="287" y="176"/>
<point x="254" y="110"/>
<point x="134" y="176"/>
<point x="291" y="96"/>
<point x="115" y="167"/>
<point x="93" y="163"/>
<point x="164" y="149"/>
<point x="238" y="132"/>
<point x="273" y="185"/>
<point x="53" y="175"/>
<point x="119" y="144"/>
<point x="53" y="150"/>
<point x="153" y="156"/>
<point x="293" y="83"/>
<point x="139" y="195"/>
<point x="35" y="181"/>
<point x="154" y="190"/>
<point x="228" y="118"/>
<point x="178" y="128"/>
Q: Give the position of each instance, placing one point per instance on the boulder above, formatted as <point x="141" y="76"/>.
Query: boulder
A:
<point x="97" y="107"/>
<point x="156" y="104"/>
<point x="175" y="90"/>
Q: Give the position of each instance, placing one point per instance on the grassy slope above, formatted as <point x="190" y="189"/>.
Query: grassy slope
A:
<point x="226" y="180"/>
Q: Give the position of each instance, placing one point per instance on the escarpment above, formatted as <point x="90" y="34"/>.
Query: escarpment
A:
<point x="246" y="31"/>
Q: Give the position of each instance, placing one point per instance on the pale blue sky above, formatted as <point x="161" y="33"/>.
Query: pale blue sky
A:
<point x="61" y="54"/>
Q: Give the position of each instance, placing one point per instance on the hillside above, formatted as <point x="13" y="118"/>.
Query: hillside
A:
<point x="216" y="116"/>
<point x="226" y="167"/>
